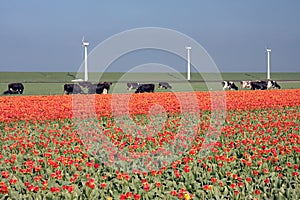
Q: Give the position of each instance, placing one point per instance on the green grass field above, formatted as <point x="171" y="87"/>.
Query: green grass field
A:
<point x="51" y="83"/>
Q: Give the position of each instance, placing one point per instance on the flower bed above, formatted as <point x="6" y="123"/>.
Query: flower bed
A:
<point x="256" y="156"/>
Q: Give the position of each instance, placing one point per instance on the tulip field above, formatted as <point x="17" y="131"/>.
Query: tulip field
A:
<point x="256" y="156"/>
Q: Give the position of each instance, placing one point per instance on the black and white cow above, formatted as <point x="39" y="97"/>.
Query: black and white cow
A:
<point x="229" y="85"/>
<point x="14" y="88"/>
<point x="260" y="85"/>
<point x="145" y="88"/>
<point x="273" y="84"/>
<point x="100" y="88"/>
<point x="132" y="85"/>
<point x="246" y="84"/>
<point x="164" y="85"/>
<point x="72" y="88"/>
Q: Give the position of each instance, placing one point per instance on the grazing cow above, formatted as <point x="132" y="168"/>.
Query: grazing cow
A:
<point x="100" y="88"/>
<point x="259" y="85"/>
<point x="145" y="88"/>
<point x="72" y="89"/>
<point x="246" y="84"/>
<point x="164" y="85"/>
<point x="132" y="85"/>
<point x="229" y="85"/>
<point x="273" y="84"/>
<point x="15" y="88"/>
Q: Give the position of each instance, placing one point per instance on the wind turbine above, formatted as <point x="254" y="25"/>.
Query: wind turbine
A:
<point x="268" y="50"/>
<point x="188" y="63"/>
<point x="85" y="45"/>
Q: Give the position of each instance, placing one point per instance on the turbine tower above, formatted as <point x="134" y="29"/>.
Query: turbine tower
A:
<point x="85" y="45"/>
<point x="188" y="62"/>
<point x="268" y="63"/>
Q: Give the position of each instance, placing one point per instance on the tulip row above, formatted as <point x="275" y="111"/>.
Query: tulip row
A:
<point x="61" y="107"/>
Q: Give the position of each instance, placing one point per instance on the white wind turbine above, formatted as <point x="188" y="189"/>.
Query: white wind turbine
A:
<point x="188" y="62"/>
<point x="268" y="50"/>
<point x="85" y="45"/>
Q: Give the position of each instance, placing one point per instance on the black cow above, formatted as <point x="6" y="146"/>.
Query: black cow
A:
<point x="72" y="89"/>
<point x="164" y="85"/>
<point x="100" y="88"/>
<point x="132" y="85"/>
<point x="258" y="85"/>
<point x="15" y="88"/>
<point x="229" y="85"/>
<point x="145" y="88"/>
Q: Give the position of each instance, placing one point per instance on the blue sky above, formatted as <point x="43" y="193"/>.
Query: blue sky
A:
<point x="46" y="35"/>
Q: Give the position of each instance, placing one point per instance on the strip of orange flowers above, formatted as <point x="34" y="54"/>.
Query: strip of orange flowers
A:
<point x="13" y="108"/>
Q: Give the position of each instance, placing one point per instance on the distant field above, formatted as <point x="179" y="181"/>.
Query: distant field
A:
<point x="51" y="83"/>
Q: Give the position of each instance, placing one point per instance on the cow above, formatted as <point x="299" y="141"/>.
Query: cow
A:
<point x="273" y="84"/>
<point x="145" y="88"/>
<point x="164" y="85"/>
<point x="258" y="85"/>
<point x="262" y="85"/>
<point x="14" y="88"/>
<point x="246" y="84"/>
<point x="253" y="84"/>
<point x="100" y="88"/>
<point x="72" y="89"/>
<point x="229" y="85"/>
<point x="132" y="85"/>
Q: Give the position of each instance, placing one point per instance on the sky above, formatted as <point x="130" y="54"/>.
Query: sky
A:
<point x="46" y="36"/>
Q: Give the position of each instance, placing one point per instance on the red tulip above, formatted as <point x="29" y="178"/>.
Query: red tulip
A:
<point x="257" y="192"/>
<point x="103" y="185"/>
<point x="214" y="180"/>
<point x="90" y="183"/>
<point x="173" y="192"/>
<point x="13" y="181"/>
<point x="5" y="174"/>
<point x="295" y="173"/>
<point x="186" y="169"/>
<point x="158" y="184"/>
<point x="136" y="197"/>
